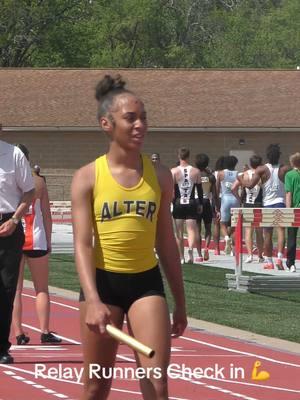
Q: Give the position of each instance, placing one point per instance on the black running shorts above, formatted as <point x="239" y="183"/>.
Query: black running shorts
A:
<point x="122" y="290"/>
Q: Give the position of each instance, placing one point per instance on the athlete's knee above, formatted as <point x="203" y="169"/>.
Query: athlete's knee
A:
<point x="161" y="387"/>
<point x="157" y="388"/>
<point x="96" y="390"/>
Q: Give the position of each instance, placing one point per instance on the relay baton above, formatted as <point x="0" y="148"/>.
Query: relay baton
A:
<point x="130" y="341"/>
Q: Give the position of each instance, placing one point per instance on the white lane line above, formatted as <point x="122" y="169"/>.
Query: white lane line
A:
<point x="60" y="336"/>
<point x="240" y="352"/>
<point x="220" y="380"/>
<point x="216" y="388"/>
<point x="33" y="384"/>
<point x="10" y="367"/>
<point x="217" y="346"/>
<point x="53" y="302"/>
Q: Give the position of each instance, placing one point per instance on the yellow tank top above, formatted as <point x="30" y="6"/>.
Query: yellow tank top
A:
<point x="125" y="220"/>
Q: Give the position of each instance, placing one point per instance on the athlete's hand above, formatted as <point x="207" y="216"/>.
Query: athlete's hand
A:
<point x="97" y="316"/>
<point x="179" y="322"/>
<point x="7" y="228"/>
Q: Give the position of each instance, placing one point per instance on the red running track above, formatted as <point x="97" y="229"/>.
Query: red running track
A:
<point x="228" y="364"/>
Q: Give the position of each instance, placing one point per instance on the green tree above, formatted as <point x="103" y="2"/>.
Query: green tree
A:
<point x="256" y="34"/>
<point x="25" y="25"/>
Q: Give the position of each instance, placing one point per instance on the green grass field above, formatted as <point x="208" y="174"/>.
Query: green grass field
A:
<point x="207" y="297"/>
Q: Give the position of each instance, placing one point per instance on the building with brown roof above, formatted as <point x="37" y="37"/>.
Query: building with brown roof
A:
<point x="218" y="112"/>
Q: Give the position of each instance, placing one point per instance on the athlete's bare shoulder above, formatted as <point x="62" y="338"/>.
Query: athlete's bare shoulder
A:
<point x="40" y="186"/>
<point x="164" y="174"/>
<point x="283" y="169"/>
<point x="175" y="172"/>
<point x="261" y="169"/>
<point x="84" y="177"/>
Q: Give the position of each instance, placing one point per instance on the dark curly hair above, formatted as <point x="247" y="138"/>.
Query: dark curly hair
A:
<point x="220" y="164"/>
<point x="106" y="90"/>
<point x="201" y="161"/>
<point x="273" y="153"/>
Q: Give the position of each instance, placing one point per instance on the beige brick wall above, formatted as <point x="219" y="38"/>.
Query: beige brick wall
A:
<point x="59" y="154"/>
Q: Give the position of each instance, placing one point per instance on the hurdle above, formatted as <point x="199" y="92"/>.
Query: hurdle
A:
<point x="261" y="218"/>
<point x="61" y="212"/>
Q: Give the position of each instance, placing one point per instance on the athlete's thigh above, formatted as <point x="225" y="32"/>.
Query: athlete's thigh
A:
<point x="99" y="349"/>
<point x="191" y="224"/>
<point x="21" y="275"/>
<point x="179" y="226"/>
<point x="39" y="268"/>
<point x="149" y="322"/>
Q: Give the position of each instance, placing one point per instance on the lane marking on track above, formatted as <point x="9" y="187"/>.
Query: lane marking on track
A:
<point x="212" y="345"/>
<point x="216" y="379"/>
<point x="53" y="302"/>
<point x="37" y="347"/>
<point x="72" y="382"/>
<point x="240" y="352"/>
<point x="60" y="336"/>
<point x="36" y="386"/>
<point x="222" y="380"/>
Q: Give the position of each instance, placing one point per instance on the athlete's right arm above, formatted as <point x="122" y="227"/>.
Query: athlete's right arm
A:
<point x="97" y="314"/>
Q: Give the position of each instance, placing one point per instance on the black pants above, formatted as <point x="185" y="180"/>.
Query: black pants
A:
<point x="10" y="257"/>
<point x="291" y="246"/>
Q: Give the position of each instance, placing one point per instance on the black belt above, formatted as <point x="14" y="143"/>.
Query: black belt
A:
<point x="5" y="217"/>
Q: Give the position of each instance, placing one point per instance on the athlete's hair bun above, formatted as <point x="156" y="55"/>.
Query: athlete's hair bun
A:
<point x="109" y="84"/>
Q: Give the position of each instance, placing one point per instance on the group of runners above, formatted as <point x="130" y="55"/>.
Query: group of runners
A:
<point x="201" y="194"/>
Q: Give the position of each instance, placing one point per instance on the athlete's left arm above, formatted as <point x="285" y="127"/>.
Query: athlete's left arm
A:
<point x="167" y="251"/>
<point x="282" y="171"/>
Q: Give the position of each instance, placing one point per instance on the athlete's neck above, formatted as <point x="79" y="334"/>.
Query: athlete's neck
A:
<point x="129" y="159"/>
<point x="183" y="163"/>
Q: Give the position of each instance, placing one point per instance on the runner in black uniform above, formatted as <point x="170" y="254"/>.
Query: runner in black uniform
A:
<point x="187" y="204"/>
<point x="208" y="182"/>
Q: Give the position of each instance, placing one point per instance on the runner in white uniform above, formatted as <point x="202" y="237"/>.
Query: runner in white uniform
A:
<point x="229" y="199"/>
<point x="273" y="189"/>
<point x="219" y="166"/>
<point x="253" y="198"/>
<point x="271" y="176"/>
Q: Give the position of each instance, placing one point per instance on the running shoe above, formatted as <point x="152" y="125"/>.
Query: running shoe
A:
<point x="292" y="268"/>
<point x="205" y="255"/>
<point x="50" y="338"/>
<point x="190" y="259"/>
<point x="261" y="260"/>
<point x="22" y="339"/>
<point x="268" y="265"/>
<point x="198" y="259"/>
<point x="228" y="246"/>
<point x="279" y="264"/>
<point x="6" y="358"/>
<point x="249" y="259"/>
<point x="182" y="261"/>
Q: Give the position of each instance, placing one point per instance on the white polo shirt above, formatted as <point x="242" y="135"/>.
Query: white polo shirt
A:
<point x="15" y="177"/>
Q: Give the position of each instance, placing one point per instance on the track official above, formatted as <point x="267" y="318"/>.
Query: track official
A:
<point x="16" y="193"/>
